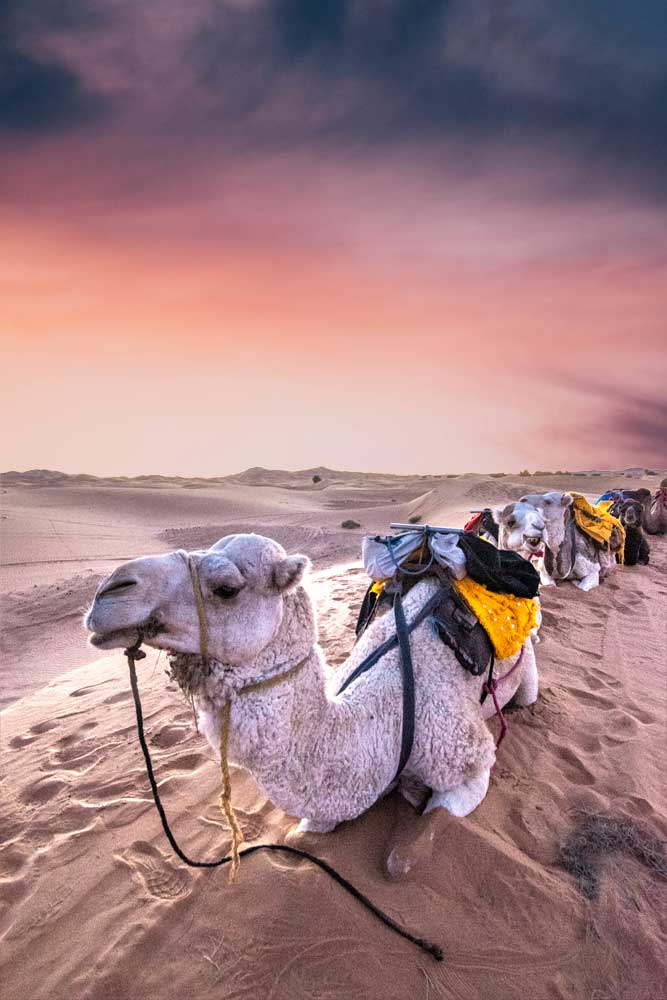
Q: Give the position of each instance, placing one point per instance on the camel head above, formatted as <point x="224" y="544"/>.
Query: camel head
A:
<point x="243" y="578"/>
<point x="520" y="528"/>
<point x="629" y="512"/>
<point x="553" y="507"/>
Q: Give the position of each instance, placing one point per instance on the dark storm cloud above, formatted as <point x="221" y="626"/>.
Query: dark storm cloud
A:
<point x="641" y="423"/>
<point x="548" y="75"/>
<point x="586" y="79"/>
<point x="42" y="97"/>
<point x="42" y="94"/>
<point x="628" y="424"/>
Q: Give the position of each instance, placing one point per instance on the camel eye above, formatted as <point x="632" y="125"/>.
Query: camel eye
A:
<point x="226" y="593"/>
<point x="114" y="588"/>
<point x="511" y="522"/>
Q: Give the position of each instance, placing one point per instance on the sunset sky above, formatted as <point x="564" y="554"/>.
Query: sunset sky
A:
<point x="409" y="236"/>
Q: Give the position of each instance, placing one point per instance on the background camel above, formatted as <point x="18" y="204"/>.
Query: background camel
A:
<point x="322" y="757"/>
<point x="655" y="511"/>
<point x="569" y="554"/>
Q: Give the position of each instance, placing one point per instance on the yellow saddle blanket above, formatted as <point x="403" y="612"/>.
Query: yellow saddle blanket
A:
<point x="598" y="524"/>
<point x="507" y="619"/>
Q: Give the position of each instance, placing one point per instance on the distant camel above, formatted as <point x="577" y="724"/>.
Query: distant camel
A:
<point x="569" y="554"/>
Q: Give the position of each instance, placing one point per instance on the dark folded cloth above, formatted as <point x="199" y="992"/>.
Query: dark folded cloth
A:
<point x="500" y="571"/>
<point x="482" y="521"/>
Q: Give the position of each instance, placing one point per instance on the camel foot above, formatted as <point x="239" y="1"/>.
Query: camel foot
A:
<point x="464" y="798"/>
<point x="410" y="844"/>
<point x="588" y="582"/>
<point x="314" y="826"/>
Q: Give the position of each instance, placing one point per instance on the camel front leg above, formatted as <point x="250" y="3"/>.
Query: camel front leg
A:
<point x="461" y="800"/>
<point x="527" y="691"/>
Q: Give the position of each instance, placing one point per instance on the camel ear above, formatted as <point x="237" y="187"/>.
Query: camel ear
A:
<point x="567" y="499"/>
<point x="288" y="573"/>
<point x="497" y="513"/>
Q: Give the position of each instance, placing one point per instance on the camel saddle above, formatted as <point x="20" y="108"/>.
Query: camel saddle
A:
<point x="452" y="619"/>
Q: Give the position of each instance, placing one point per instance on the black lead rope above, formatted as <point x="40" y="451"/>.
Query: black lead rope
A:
<point x="136" y="653"/>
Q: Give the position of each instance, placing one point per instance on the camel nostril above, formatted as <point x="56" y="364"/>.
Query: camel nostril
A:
<point x="115" y="588"/>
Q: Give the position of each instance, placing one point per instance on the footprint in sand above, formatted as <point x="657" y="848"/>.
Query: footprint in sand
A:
<point x="18" y="742"/>
<point x="254" y="824"/>
<point x="590" y="698"/>
<point x="579" y="773"/>
<point x="97" y="794"/>
<point x="78" y="755"/>
<point x="82" y="692"/>
<point x="602" y="677"/>
<point x="621" y="728"/>
<point x="43" y="790"/>
<point x="73" y="820"/>
<point x="187" y="761"/>
<point x="170" y="735"/>
<point x="114" y="699"/>
<point x="43" y="727"/>
<point x="157" y="876"/>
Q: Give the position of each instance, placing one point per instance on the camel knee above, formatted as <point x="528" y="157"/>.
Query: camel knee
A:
<point x="464" y="798"/>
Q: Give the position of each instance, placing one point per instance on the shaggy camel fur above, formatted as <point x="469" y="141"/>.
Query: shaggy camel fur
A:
<point x="322" y="757"/>
<point x="569" y="554"/>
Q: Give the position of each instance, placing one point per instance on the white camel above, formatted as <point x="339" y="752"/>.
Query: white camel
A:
<point x="319" y="756"/>
<point x="569" y="554"/>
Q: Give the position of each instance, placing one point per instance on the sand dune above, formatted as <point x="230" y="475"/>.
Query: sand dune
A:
<point x="95" y="906"/>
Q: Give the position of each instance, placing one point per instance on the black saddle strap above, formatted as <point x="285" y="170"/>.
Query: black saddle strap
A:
<point x="408" y="722"/>
<point x="489" y="681"/>
<point x="389" y="644"/>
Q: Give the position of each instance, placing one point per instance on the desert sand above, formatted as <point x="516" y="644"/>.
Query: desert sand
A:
<point x="94" y="905"/>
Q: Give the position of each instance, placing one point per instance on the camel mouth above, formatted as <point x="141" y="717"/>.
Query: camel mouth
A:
<point x="534" y="541"/>
<point x="114" y="639"/>
<point x="120" y="638"/>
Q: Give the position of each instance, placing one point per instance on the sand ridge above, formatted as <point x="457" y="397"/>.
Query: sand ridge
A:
<point x="95" y="905"/>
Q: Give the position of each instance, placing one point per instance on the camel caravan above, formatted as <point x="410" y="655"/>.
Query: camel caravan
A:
<point x="567" y="538"/>
<point x="445" y="640"/>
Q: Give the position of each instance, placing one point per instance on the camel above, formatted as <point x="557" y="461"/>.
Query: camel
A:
<point x="654" y="508"/>
<point x="569" y="554"/>
<point x="322" y="757"/>
<point x="655" y="511"/>
<point x="630" y="514"/>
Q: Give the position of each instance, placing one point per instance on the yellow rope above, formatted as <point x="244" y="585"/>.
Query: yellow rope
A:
<point x="226" y="806"/>
<point x="201" y="607"/>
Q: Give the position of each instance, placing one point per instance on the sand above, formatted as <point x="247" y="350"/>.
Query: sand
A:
<point x="95" y="905"/>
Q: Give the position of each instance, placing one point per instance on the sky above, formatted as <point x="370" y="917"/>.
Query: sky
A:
<point x="384" y="235"/>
